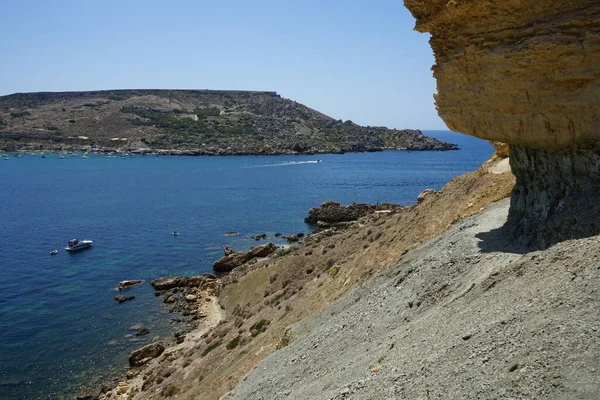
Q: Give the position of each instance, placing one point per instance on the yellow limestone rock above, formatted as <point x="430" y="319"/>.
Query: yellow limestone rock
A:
<point x="523" y="72"/>
<point x="122" y="388"/>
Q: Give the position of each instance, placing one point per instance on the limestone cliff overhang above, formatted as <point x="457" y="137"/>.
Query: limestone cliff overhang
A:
<point x="524" y="72"/>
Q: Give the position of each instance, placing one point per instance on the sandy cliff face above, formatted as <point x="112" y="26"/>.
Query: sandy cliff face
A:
<point x="526" y="73"/>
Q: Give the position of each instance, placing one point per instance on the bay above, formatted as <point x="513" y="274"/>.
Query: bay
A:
<point x="60" y="328"/>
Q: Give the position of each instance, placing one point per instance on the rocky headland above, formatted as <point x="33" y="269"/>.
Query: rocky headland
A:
<point x="188" y="122"/>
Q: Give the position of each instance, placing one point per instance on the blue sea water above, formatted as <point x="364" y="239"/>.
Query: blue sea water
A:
<point x="59" y="326"/>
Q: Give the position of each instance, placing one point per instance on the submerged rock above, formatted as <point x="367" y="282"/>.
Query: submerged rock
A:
<point x="88" y="395"/>
<point x="142" y="331"/>
<point x="141" y="356"/>
<point x="121" y="299"/>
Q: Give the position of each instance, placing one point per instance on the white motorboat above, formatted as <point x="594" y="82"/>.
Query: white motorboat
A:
<point x="75" y="244"/>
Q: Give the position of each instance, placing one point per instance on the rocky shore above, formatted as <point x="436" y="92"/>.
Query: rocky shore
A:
<point x="194" y="299"/>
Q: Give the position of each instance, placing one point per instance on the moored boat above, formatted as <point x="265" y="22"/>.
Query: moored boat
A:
<point x="75" y="244"/>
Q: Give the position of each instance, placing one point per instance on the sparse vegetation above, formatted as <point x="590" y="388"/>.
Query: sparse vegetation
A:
<point x="19" y="114"/>
<point x="211" y="348"/>
<point x="285" y="251"/>
<point x="259" y="325"/>
<point x="233" y="343"/>
<point x="207" y="112"/>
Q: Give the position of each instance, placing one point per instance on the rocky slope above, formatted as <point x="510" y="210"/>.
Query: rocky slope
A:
<point x="444" y="323"/>
<point x="526" y="73"/>
<point x="264" y="297"/>
<point x="188" y="122"/>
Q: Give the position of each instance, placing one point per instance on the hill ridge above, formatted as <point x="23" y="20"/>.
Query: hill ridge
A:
<point x="188" y="121"/>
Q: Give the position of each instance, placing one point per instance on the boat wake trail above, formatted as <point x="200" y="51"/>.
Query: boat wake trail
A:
<point x="284" y="164"/>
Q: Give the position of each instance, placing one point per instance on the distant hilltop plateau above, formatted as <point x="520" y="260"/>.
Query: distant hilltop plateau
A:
<point x="194" y="122"/>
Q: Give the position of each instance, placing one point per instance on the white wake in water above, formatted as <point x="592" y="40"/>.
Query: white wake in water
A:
<point x="283" y="164"/>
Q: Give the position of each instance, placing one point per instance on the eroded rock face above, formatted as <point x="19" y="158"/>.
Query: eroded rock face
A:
<point x="526" y="73"/>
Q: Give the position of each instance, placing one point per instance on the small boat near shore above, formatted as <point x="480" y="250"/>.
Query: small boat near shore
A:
<point x="76" y="245"/>
<point x="54" y="252"/>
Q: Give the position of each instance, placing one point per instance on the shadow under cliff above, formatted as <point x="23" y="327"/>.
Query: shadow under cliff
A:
<point x="499" y="240"/>
<point x="555" y="198"/>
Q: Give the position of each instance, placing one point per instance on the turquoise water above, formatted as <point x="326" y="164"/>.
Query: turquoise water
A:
<point x="59" y="325"/>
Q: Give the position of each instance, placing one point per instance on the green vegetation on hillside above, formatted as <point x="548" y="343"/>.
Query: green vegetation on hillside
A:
<point x="192" y="121"/>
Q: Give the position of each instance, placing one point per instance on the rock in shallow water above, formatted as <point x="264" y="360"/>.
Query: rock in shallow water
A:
<point x="142" y="331"/>
<point x="129" y="283"/>
<point x="227" y="263"/>
<point x="141" y="356"/>
<point x="202" y="282"/>
<point x="332" y="211"/>
<point x="262" y="250"/>
<point x="121" y="299"/>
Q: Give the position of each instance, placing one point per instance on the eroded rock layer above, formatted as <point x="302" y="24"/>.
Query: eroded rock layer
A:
<point x="520" y="72"/>
<point x="526" y="73"/>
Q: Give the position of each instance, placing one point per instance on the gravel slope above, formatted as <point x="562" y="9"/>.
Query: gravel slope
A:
<point x="462" y="316"/>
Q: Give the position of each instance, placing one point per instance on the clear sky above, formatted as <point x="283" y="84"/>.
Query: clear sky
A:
<point x="350" y="59"/>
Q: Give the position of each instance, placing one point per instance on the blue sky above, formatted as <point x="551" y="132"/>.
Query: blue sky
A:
<point x="350" y="59"/>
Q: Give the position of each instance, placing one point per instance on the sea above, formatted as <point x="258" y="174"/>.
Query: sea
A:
<point x="60" y="328"/>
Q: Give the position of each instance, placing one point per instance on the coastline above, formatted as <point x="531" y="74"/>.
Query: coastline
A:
<point x="218" y="152"/>
<point x="132" y="380"/>
<point x="267" y="297"/>
<point x="211" y="308"/>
